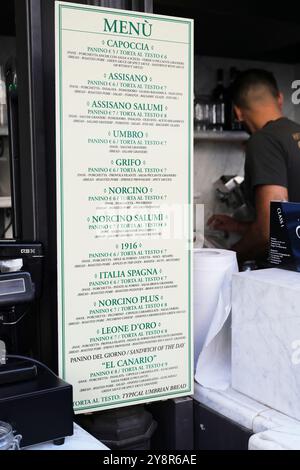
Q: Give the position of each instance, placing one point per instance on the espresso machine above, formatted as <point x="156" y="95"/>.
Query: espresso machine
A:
<point x="229" y="191"/>
<point x="229" y="199"/>
<point x="33" y="400"/>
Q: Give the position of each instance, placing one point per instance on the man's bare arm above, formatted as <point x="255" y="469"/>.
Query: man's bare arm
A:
<point x="254" y="243"/>
<point x="226" y="223"/>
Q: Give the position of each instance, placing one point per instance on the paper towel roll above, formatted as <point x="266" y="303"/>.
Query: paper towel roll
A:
<point x="213" y="269"/>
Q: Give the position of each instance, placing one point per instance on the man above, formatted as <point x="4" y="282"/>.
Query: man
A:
<point x="272" y="166"/>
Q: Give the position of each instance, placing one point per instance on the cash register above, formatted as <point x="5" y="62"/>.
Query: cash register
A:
<point x="34" y="402"/>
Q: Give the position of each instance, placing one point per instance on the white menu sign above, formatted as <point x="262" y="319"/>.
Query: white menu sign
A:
<point x="124" y="92"/>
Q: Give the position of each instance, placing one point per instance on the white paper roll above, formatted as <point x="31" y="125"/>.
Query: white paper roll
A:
<point x="213" y="269"/>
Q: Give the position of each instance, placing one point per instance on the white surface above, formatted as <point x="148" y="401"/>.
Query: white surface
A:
<point x="276" y="439"/>
<point x="272" y="430"/>
<point x="213" y="271"/>
<point x="271" y="419"/>
<point x="266" y="338"/>
<point x="231" y="404"/>
<point x="81" y="440"/>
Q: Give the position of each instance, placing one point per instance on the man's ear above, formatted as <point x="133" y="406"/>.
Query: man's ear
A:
<point x="238" y="113"/>
<point x="280" y="101"/>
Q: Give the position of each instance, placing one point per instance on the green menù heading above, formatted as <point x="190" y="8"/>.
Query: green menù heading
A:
<point x="128" y="27"/>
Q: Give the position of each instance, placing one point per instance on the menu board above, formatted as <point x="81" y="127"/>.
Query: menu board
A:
<point x="124" y="134"/>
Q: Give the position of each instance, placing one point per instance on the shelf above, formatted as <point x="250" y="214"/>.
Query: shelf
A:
<point x="224" y="136"/>
<point x="3" y="130"/>
<point x="5" y="202"/>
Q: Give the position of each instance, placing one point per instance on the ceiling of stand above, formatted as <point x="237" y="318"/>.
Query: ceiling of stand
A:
<point x="246" y="29"/>
<point x="225" y="28"/>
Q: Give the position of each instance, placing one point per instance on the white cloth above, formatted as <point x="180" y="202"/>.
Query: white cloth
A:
<point x="213" y="270"/>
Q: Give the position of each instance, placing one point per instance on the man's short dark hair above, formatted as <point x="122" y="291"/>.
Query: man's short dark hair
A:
<point x="251" y="79"/>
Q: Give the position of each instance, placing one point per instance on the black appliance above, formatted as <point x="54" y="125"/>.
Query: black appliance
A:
<point x="38" y="405"/>
<point x="33" y="400"/>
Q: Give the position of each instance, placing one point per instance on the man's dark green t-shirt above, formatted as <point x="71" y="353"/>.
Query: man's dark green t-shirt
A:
<point x="273" y="158"/>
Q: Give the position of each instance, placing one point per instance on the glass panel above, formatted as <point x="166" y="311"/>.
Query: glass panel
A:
<point x="12" y="286"/>
<point x="7" y="51"/>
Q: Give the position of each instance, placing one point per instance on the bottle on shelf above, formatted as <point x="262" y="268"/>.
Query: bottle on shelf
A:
<point x="217" y="120"/>
<point x="201" y="112"/>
